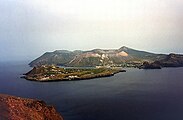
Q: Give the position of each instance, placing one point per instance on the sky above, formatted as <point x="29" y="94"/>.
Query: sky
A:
<point x="28" y="28"/>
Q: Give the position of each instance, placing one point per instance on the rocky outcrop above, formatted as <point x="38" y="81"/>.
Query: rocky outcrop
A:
<point x="172" y="60"/>
<point x="16" y="108"/>
<point x="147" y="65"/>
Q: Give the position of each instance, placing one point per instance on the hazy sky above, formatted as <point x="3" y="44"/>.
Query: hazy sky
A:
<point x="28" y="28"/>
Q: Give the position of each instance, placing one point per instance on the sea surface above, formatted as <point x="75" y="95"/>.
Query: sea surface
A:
<point x="134" y="95"/>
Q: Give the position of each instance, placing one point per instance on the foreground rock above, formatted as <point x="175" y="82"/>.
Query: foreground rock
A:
<point x="16" y="108"/>
<point x="54" y="73"/>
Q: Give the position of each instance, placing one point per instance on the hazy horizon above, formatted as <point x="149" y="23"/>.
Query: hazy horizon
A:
<point x="30" y="28"/>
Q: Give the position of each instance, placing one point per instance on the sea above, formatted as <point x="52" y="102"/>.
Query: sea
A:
<point x="133" y="95"/>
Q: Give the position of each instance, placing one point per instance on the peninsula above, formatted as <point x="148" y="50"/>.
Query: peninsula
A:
<point x="46" y="73"/>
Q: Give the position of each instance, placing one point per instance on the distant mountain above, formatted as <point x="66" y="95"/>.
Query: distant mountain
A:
<point x="123" y="56"/>
<point x="58" y="57"/>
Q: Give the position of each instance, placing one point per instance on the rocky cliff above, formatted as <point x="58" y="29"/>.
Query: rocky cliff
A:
<point x="16" y="108"/>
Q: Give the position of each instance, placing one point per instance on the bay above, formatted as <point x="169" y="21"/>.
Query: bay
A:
<point x="134" y="95"/>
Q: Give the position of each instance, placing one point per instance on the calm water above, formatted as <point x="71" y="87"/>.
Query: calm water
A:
<point x="134" y="95"/>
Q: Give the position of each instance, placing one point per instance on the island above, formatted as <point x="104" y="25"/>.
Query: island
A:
<point x="46" y="73"/>
<point x="17" y="108"/>
<point x="122" y="57"/>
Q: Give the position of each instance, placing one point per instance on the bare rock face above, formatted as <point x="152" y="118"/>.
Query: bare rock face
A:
<point x="16" y="108"/>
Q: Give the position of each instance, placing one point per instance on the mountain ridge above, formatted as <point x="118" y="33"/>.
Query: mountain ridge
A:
<point x="124" y="56"/>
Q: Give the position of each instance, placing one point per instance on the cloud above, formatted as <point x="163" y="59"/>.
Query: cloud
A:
<point x="85" y="24"/>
